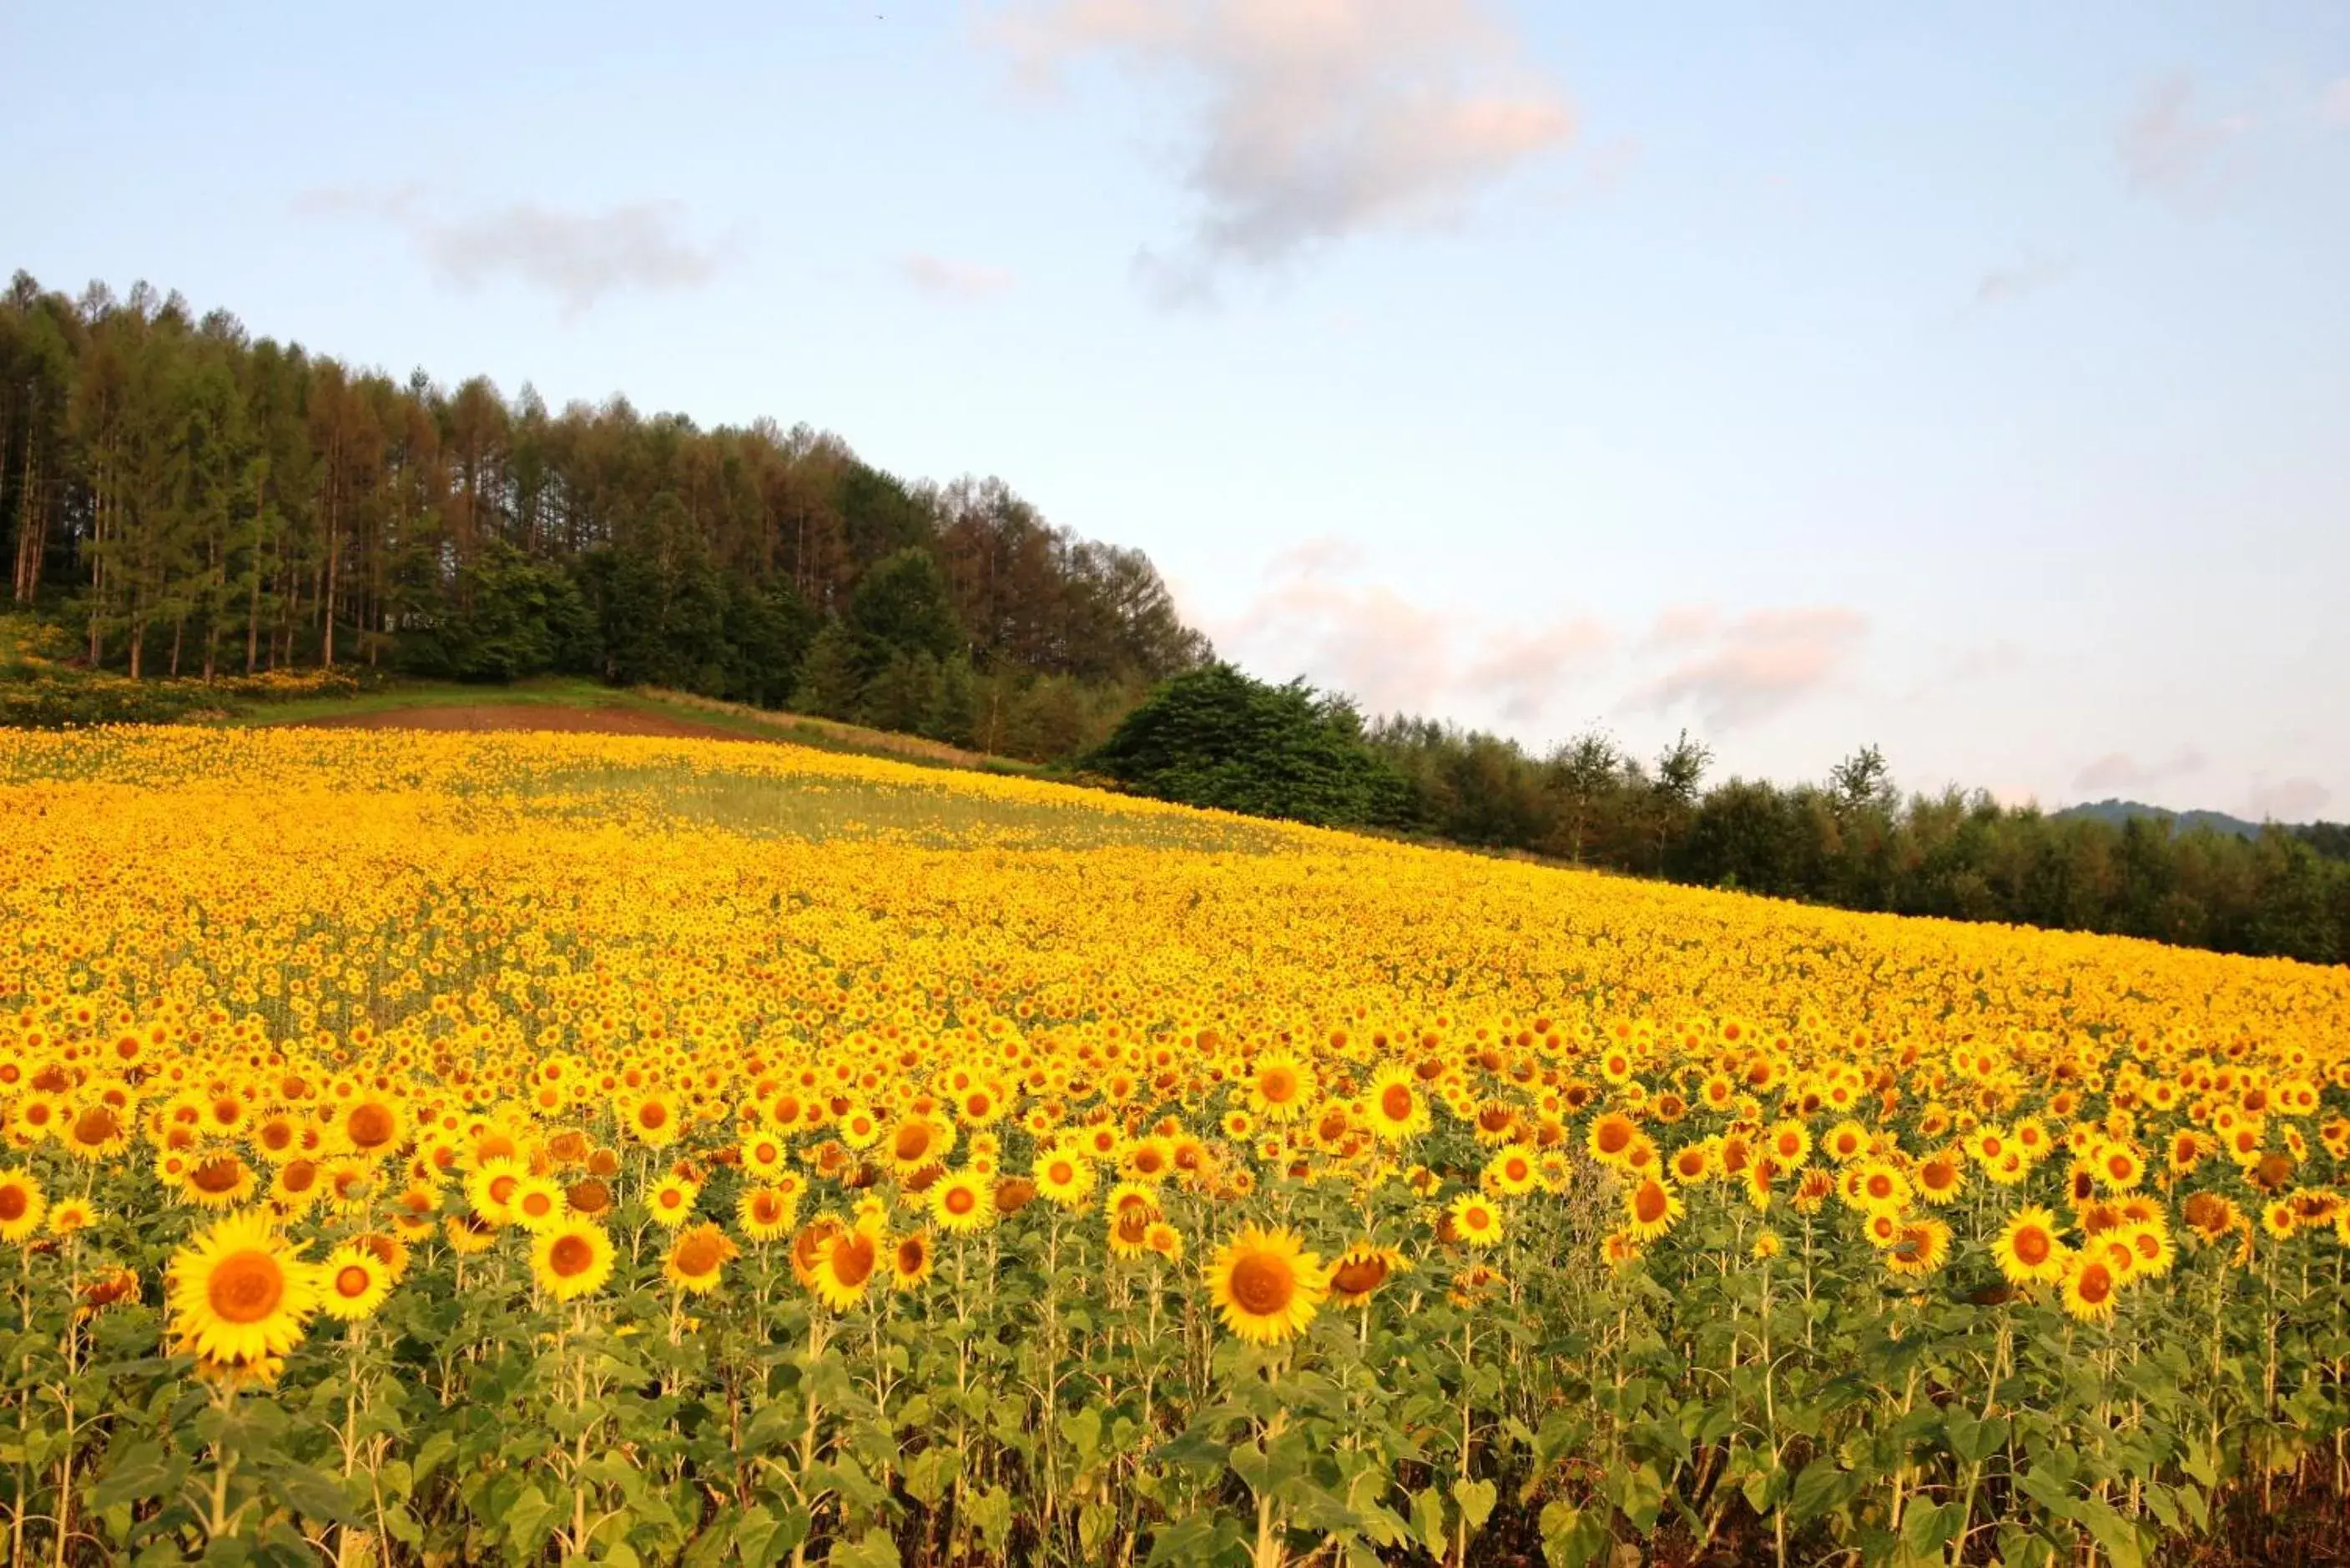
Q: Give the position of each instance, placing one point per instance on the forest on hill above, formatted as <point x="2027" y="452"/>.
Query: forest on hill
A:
<point x="191" y="500"/>
<point x="191" y="503"/>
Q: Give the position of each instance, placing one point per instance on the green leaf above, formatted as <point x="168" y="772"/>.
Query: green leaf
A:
<point x="1476" y="1499"/>
<point x="1572" y="1537"/>
<point x="1926" y="1528"/>
<point x="990" y="1514"/>
<point x="1427" y="1518"/>
<point x="1971" y="1439"/>
<point x="1821" y="1488"/>
<point x="529" y="1519"/>
<point x="874" y="1548"/>
<point x="2117" y="1535"/>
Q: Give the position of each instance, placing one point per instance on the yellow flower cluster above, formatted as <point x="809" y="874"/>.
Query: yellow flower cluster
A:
<point x="328" y="1013"/>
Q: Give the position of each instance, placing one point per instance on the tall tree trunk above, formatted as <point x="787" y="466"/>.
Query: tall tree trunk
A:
<point x="97" y="566"/>
<point x="179" y="632"/>
<point x="252" y="608"/>
<point x="334" y="563"/>
<point x="32" y="524"/>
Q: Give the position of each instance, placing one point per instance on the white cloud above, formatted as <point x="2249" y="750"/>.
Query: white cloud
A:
<point x="577" y="257"/>
<point x="954" y="280"/>
<point x="1318" y="120"/>
<point x="2003" y="285"/>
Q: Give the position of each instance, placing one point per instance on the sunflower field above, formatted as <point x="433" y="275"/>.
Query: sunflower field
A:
<point x="565" y="1148"/>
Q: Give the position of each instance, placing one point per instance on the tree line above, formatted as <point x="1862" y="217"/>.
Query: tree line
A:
<point x="192" y="501"/>
<point x="1215" y="737"/>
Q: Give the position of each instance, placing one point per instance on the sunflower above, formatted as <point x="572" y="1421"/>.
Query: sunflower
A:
<point x="698" y="1257"/>
<point x="2028" y="1249"/>
<point x="22" y="1206"/>
<point x="1280" y="1087"/>
<point x="538" y="1203"/>
<point x="1064" y="1176"/>
<point x="1265" y="1284"/>
<point x="764" y="1213"/>
<point x="240" y="1294"/>
<point x="219" y="1180"/>
<point x="1397" y="1110"/>
<point x="1361" y="1270"/>
<point x="354" y="1282"/>
<point x="918" y="1141"/>
<point x="1474" y="1218"/>
<point x="1880" y="1188"/>
<point x="1920" y="1248"/>
<point x="371" y="1124"/>
<point x="68" y="1215"/>
<point x="2089" y="1290"/>
<point x="1512" y="1171"/>
<point x="652" y="1119"/>
<point x="1132" y="1209"/>
<point x="670" y="1201"/>
<point x="571" y="1258"/>
<point x="1613" y="1137"/>
<point x="964" y="1203"/>
<point x="469" y="1235"/>
<point x="1790" y="1144"/>
<point x="845" y="1265"/>
<point x="492" y="1185"/>
<point x="295" y="1185"/>
<point x="1942" y="1177"/>
<point x="351" y="1184"/>
<point x="765" y="1155"/>
<point x="95" y="1133"/>
<point x="912" y="1260"/>
<point x="2151" y="1246"/>
<point x="1651" y="1208"/>
<point x="1164" y="1241"/>
<point x="2118" y="1167"/>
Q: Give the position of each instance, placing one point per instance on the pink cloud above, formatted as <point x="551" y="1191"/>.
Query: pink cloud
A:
<point x="2288" y="800"/>
<point x="1744" y="670"/>
<point x="2119" y="771"/>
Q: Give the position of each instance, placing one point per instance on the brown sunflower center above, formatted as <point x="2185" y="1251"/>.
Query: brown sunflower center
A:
<point x="1360" y="1276"/>
<point x="96" y="1126"/>
<point x="369" y="1126"/>
<point x="2032" y="1246"/>
<point x="246" y="1287"/>
<point x="1649" y="1204"/>
<point x="571" y="1256"/>
<point x="700" y="1253"/>
<point x="351" y="1281"/>
<point x="852" y="1260"/>
<point x="1262" y="1283"/>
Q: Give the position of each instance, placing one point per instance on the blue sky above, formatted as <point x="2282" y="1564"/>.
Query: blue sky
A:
<point x="1974" y="380"/>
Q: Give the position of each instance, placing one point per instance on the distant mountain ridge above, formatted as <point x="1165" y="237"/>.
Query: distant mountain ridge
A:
<point x="2117" y="812"/>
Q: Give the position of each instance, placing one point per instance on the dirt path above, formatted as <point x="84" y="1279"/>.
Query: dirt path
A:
<point x="609" y="720"/>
